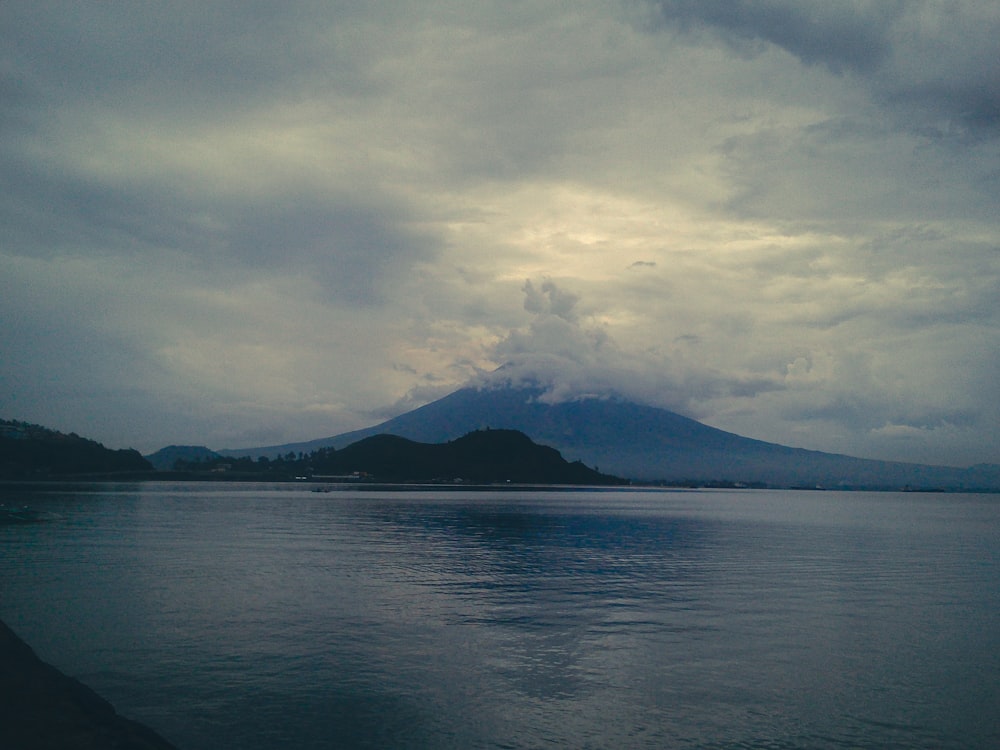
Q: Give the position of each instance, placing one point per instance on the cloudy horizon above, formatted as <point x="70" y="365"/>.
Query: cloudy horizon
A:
<point x="242" y="224"/>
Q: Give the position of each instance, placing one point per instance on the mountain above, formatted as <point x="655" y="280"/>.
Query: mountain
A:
<point x="29" y="451"/>
<point x="645" y="443"/>
<point x="165" y="458"/>
<point x="480" y="456"/>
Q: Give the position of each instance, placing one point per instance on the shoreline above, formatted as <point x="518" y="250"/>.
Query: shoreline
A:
<point x="43" y="709"/>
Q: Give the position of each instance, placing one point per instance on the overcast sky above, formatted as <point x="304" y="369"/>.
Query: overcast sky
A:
<point x="246" y="223"/>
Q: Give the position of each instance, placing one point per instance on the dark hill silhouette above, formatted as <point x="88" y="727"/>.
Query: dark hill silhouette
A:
<point x="28" y="451"/>
<point x="483" y="456"/>
<point x="645" y="443"/>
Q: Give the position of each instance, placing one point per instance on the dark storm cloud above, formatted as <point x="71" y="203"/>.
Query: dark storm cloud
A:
<point x="863" y="413"/>
<point x="51" y="210"/>
<point x="970" y="98"/>
<point x="833" y="34"/>
<point x="935" y="65"/>
<point x="349" y="247"/>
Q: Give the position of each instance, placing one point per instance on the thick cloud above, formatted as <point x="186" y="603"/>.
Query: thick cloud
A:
<point x="935" y="62"/>
<point x="840" y="36"/>
<point x="242" y="224"/>
<point x="571" y="359"/>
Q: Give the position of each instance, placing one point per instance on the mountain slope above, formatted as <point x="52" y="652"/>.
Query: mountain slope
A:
<point x="644" y="443"/>
<point x="30" y="451"/>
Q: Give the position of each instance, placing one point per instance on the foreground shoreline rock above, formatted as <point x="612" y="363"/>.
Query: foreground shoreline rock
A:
<point x="43" y="709"/>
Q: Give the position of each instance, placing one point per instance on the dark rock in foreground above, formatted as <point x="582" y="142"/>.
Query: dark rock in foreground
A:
<point x="43" y="709"/>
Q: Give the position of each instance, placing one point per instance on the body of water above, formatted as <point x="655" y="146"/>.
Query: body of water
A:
<point x="268" y="616"/>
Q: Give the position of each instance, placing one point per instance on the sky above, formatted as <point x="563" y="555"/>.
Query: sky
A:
<point x="239" y="224"/>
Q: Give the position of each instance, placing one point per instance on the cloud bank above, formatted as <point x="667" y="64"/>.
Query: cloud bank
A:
<point x="248" y="224"/>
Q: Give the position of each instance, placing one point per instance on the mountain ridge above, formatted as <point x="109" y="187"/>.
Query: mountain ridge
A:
<point x="645" y="443"/>
<point x="31" y="451"/>
<point x="479" y="456"/>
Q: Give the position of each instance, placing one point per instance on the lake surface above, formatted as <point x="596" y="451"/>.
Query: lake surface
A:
<point x="268" y="616"/>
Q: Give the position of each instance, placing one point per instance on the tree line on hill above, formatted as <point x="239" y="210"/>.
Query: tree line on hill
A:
<point x="29" y="451"/>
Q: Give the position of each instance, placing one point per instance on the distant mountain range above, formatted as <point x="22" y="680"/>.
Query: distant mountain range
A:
<point x="480" y="457"/>
<point x="645" y="443"/>
<point x="613" y="436"/>
<point x="29" y="451"/>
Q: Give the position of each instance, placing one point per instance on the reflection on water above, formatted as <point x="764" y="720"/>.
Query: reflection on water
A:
<point x="267" y="616"/>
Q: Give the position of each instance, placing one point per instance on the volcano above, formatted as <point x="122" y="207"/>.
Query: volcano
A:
<point x="645" y="443"/>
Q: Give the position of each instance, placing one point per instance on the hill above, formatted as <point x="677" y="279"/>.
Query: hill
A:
<point x="483" y="456"/>
<point x="646" y="443"/>
<point x="166" y="459"/>
<point x="29" y="451"/>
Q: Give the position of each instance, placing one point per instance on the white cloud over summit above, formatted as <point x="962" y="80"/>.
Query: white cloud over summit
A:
<point x="242" y="225"/>
<point x="569" y="358"/>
